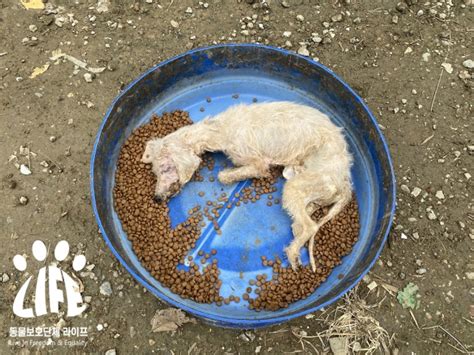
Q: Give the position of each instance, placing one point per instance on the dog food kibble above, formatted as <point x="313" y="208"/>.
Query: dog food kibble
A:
<point x="334" y="240"/>
<point x="147" y="223"/>
<point x="162" y="249"/>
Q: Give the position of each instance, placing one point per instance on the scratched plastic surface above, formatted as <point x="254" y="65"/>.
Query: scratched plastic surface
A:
<point x="254" y="229"/>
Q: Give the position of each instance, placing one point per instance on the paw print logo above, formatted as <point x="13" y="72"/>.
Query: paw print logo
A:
<point x="56" y="295"/>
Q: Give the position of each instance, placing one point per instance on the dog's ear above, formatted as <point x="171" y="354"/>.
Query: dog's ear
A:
<point x="152" y="150"/>
<point x="187" y="163"/>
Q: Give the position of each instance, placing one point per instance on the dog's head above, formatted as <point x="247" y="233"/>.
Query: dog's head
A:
<point x="173" y="164"/>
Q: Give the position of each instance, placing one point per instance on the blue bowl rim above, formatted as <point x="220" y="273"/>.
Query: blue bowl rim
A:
<point x="234" y="322"/>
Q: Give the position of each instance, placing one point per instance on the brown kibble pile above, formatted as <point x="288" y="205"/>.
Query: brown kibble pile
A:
<point x="147" y="223"/>
<point x="334" y="240"/>
<point x="162" y="249"/>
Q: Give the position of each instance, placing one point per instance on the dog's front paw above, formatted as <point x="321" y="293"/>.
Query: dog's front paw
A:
<point x="224" y="178"/>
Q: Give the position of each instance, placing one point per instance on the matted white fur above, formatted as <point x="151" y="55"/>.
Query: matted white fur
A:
<point x="300" y="138"/>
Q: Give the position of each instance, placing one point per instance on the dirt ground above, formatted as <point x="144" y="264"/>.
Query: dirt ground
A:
<point x="411" y="62"/>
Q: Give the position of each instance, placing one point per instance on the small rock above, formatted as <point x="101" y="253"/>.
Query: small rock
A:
<point x="285" y="4"/>
<point x="416" y="191"/>
<point x="336" y="18"/>
<point x="469" y="64"/>
<point x="448" y="67"/>
<point x="416" y="236"/>
<point x="287" y="34"/>
<point x="357" y="21"/>
<point x="111" y="352"/>
<point x="88" y="77"/>
<point x="421" y="271"/>
<point x="53" y="139"/>
<point x="401" y="275"/>
<point x="103" y="6"/>
<point x="300" y="18"/>
<point x="5" y="278"/>
<point x="403" y="236"/>
<point x="402" y="7"/>
<point x="426" y="56"/>
<point x="23" y="200"/>
<point x="395" y="19"/>
<point x="106" y="289"/>
<point x="151" y="342"/>
<point x="408" y="50"/>
<point x="100" y="327"/>
<point x="470" y="275"/>
<point x="303" y="51"/>
<point x="431" y="215"/>
<point x="405" y="188"/>
<point x="24" y="170"/>
<point x="149" y="1"/>
<point x="189" y="10"/>
<point x="33" y="28"/>
<point x="440" y="195"/>
<point x="174" y="24"/>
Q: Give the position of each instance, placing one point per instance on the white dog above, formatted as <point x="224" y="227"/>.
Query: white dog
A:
<point x="300" y="138"/>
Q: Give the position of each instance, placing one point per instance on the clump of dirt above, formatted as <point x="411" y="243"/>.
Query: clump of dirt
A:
<point x="162" y="249"/>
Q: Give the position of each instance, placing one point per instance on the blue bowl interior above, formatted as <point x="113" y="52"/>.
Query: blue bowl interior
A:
<point x="242" y="74"/>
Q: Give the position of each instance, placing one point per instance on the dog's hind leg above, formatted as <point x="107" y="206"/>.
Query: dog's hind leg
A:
<point x="295" y="201"/>
<point x="298" y="193"/>
<point x="231" y="175"/>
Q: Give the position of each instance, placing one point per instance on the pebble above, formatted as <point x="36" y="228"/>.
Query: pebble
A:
<point x="189" y="10"/>
<point x="23" y="200"/>
<point x="431" y="215"/>
<point x="469" y="64"/>
<point x="287" y="34"/>
<point x="426" y="56"/>
<point x="300" y="18"/>
<point x="401" y="275"/>
<point x="405" y="188"/>
<point x="336" y="18"/>
<point x="53" y="139"/>
<point x="5" y="278"/>
<point x="303" y="51"/>
<point x="470" y="275"/>
<point x="448" y="67"/>
<point x="421" y="271"/>
<point x="402" y="7"/>
<point x="111" y="352"/>
<point x="106" y="289"/>
<point x="100" y="327"/>
<point x="395" y="19"/>
<point x="24" y="170"/>
<point x="416" y="191"/>
<point x="174" y="24"/>
<point x="471" y="291"/>
<point x="33" y="28"/>
<point x="88" y="77"/>
<point x="408" y="50"/>
<point x="439" y="195"/>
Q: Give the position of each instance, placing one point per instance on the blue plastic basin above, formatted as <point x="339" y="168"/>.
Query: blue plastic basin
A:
<point x="229" y="74"/>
